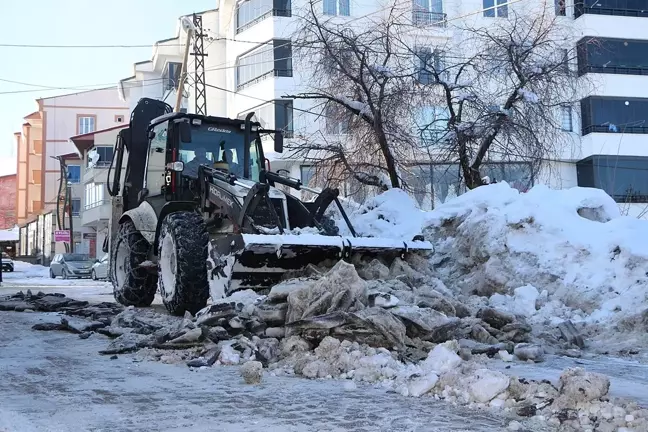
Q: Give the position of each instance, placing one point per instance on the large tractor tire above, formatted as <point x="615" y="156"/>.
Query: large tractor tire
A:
<point x="132" y="285"/>
<point x="182" y="263"/>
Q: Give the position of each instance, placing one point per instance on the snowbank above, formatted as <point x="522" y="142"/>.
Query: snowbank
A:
<point x="545" y="254"/>
<point x="392" y="214"/>
<point x="573" y="243"/>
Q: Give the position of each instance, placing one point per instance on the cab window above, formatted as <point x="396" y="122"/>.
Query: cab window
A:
<point x="157" y="159"/>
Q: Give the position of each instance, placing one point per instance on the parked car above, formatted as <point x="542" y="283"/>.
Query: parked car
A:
<point x="7" y="262"/>
<point x="100" y="268"/>
<point x="71" y="265"/>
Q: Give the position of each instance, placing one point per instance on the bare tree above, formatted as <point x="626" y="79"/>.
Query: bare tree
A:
<point x="492" y="93"/>
<point x="505" y="99"/>
<point x="362" y="76"/>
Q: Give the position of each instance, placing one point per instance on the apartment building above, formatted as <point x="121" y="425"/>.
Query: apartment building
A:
<point x="44" y="142"/>
<point x="96" y="152"/>
<point x="250" y="67"/>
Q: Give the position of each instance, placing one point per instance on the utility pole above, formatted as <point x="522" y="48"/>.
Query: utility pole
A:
<point x="199" y="53"/>
<point x="190" y="28"/>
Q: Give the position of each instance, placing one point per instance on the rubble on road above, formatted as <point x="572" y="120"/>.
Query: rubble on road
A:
<point x="407" y="332"/>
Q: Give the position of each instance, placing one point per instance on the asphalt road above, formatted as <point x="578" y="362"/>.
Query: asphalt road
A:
<point x="53" y="381"/>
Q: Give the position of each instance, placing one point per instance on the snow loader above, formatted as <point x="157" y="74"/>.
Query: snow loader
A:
<point x="198" y="213"/>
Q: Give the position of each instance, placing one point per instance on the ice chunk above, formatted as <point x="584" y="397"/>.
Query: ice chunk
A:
<point x="422" y="385"/>
<point x="486" y="384"/>
<point x="441" y="359"/>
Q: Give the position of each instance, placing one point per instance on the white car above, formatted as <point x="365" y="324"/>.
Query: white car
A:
<point x="100" y="268"/>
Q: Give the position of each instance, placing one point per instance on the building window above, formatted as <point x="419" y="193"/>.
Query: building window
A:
<point x="74" y="173"/>
<point x="119" y="119"/>
<point x="277" y="115"/>
<point x="86" y="124"/>
<point x="171" y="75"/>
<point x="428" y="62"/>
<point x="614" y="115"/>
<point x="100" y="156"/>
<point x="284" y="117"/>
<point x="307" y="172"/>
<point x="428" y="12"/>
<point x="251" y="12"/>
<point x="561" y="7"/>
<point x="268" y="60"/>
<point x="36" y="176"/>
<point x="338" y="119"/>
<point x="94" y="195"/>
<point x="76" y="206"/>
<point x="624" y="178"/>
<point x="566" y="122"/>
<point x="432" y="124"/>
<point x="612" y="56"/>
<point x="490" y="11"/>
<point x="336" y="7"/>
<point x="632" y="8"/>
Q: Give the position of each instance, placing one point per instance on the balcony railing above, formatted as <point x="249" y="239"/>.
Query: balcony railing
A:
<point x="274" y="72"/>
<point x="255" y="21"/>
<point x="615" y="129"/>
<point x="425" y="18"/>
<point x="580" y="9"/>
<point x="618" y="70"/>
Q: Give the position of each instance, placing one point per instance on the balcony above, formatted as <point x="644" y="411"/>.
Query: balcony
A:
<point x="626" y="8"/>
<point x="96" y="212"/>
<point x="255" y="21"/>
<point x="425" y="18"/>
<point x="97" y="172"/>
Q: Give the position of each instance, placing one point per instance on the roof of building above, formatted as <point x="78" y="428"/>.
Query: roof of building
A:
<point x="84" y="141"/>
<point x="36" y="115"/>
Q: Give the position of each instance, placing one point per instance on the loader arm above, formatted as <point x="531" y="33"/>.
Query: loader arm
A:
<point x="322" y="202"/>
<point x="213" y="198"/>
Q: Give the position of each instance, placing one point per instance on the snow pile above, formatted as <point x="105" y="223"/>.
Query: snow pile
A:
<point x="512" y="247"/>
<point x="392" y="214"/>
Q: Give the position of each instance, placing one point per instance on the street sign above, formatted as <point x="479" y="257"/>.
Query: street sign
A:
<point x="61" y="236"/>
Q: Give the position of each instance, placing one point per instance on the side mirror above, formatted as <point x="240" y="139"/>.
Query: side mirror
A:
<point x="278" y="142"/>
<point x="185" y="131"/>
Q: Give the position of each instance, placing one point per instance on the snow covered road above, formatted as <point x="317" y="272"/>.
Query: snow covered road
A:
<point x="55" y="382"/>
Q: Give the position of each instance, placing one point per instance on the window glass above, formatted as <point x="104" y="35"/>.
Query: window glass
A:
<point x="624" y="178"/>
<point x="74" y="173"/>
<point x="86" y="125"/>
<point x="76" y="206"/>
<point x="614" y="115"/>
<point x="157" y="160"/>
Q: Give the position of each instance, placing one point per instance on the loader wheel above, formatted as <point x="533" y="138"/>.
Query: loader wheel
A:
<point x="132" y="285"/>
<point x="182" y="252"/>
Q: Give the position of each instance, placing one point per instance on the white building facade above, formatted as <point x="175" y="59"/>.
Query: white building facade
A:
<point x="250" y="67"/>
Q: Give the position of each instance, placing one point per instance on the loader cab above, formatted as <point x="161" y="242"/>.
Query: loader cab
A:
<point x="179" y="143"/>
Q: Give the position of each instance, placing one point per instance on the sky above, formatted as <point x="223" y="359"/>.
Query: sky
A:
<point x="74" y="22"/>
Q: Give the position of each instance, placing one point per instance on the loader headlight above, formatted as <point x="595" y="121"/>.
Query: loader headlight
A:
<point x="175" y="166"/>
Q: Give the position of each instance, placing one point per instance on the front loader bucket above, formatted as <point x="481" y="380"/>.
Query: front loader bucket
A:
<point x="258" y="261"/>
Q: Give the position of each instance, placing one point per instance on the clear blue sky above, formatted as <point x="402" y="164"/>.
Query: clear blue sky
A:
<point x="74" y="22"/>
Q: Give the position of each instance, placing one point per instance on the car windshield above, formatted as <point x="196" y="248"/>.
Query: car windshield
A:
<point x="5" y="255"/>
<point x="75" y="257"/>
<point x="211" y="144"/>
